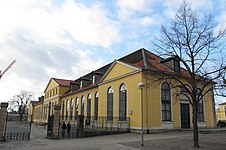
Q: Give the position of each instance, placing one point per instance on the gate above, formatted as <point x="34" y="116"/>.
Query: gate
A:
<point x="50" y="126"/>
<point x="16" y="129"/>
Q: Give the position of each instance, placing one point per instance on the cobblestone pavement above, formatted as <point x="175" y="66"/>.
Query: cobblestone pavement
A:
<point x="163" y="141"/>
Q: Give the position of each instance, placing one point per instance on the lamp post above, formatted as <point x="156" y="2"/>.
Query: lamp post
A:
<point x="141" y="85"/>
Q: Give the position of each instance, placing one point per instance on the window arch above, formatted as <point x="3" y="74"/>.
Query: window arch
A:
<point x="71" y="108"/>
<point x="96" y="106"/>
<point x="67" y="109"/>
<point x="122" y="102"/>
<point x="166" y="102"/>
<point x="76" y="108"/>
<point x="88" y="106"/>
<point x="110" y="103"/>
<point x="200" y="106"/>
<point x="63" y="105"/>
<point x="82" y="105"/>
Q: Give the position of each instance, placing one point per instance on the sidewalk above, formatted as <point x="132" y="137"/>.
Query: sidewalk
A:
<point x="209" y="139"/>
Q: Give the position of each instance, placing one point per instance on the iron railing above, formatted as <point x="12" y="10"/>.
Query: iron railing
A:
<point x="16" y="129"/>
<point x="91" y="126"/>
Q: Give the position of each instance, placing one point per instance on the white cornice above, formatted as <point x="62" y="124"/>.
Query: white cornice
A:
<point x="120" y="77"/>
<point x="53" y="97"/>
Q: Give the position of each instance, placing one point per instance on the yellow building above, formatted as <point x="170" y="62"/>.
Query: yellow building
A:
<point x="53" y="95"/>
<point x="221" y="112"/>
<point x="35" y="112"/>
<point x="111" y="93"/>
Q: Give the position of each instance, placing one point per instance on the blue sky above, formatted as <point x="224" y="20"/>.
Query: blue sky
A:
<point x="69" y="38"/>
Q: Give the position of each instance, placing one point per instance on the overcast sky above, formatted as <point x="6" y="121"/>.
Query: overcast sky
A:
<point x="69" y="38"/>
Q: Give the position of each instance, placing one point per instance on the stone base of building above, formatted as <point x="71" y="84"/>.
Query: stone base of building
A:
<point x="151" y="131"/>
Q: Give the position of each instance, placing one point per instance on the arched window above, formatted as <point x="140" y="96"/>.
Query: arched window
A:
<point x="63" y="105"/>
<point x="166" y="102"/>
<point x="71" y="108"/>
<point x="122" y="102"/>
<point x="96" y="106"/>
<point x="200" y="106"/>
<point x="82" y="105"/>
<point x="52" y="113"/>
<point x="110" y="103"/>
<point x="67" y="109"/>
<point x="76" y="108"/>
<point x="88" y="106"/>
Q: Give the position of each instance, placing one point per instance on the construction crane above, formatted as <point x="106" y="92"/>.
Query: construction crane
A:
<point x="1" y="74"/>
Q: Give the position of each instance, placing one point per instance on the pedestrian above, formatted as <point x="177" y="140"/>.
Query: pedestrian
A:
<point x="63" y="129"/>
<point x="68" y="129"/>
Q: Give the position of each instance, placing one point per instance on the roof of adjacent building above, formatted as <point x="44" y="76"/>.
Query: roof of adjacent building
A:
<point x="40" y="101"/>
<point x="62" y="82"/>
<point x="33" y="103"/>
<point x="224" y="103"/>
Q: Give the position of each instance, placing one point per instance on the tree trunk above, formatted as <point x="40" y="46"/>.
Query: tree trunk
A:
<point x="21" y="116"/>
<point x="21" y="113"/>
<point x="195" y="126"/>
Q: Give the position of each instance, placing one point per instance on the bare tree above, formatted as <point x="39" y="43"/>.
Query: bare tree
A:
<point x="195" y="43"/>
<point x="21" y="101"/>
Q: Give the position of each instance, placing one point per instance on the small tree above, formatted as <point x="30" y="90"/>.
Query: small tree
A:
<point x="196" y="44"/>
<point x="20" y="102"/>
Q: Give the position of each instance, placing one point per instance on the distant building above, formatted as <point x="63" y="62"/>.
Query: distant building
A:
<point x="221" y="112"/>
<point x="35" y="111"/>
<point x="111" y="92"/>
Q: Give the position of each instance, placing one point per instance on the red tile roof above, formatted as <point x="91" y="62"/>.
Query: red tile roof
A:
<point x="141" y="59"/>
<point x="62" y="82"/>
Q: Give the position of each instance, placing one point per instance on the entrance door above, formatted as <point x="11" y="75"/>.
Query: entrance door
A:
<point x="185" y="115"/>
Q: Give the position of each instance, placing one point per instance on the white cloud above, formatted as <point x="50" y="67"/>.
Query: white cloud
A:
<point x="42" y="38"/>
<point x="127" y="8"/>
<point x="131" y="5"/>
<point x="146" y="21"/>
<point x="52" y="23"/>
<point x="172" y="6"/>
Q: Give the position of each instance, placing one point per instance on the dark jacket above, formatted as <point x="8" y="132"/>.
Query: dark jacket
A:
<point x="64" y="126"/>
<point x="68" y="127"/>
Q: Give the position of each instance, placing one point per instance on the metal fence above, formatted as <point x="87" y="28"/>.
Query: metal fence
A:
<point x="16" y="129"/>
<point x="93" y="126"/>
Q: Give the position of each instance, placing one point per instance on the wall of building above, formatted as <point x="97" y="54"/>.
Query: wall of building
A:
<point x="79" y="96"/>
<point x="221" y="112"/>
<point x="118" y="75"/>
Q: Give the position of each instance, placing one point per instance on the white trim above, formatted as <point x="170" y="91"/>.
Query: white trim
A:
<point x="184" y="101"/>
<point x="202" y="124"/>
<point x="107" y="101"/>
<point x="127" y="110"/>
<point x="161" y="102"/>
<point x="120" y="77"/>
<point x="113" y="64"/>
<point x="127" y="65"/>
<point x="55" y="96"/>
<point x="167" y="125"/>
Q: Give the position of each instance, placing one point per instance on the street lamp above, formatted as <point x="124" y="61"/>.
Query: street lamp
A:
<point x="141" y="85"/>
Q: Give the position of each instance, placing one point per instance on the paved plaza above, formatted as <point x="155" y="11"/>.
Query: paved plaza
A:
<point x="209" y="140"/>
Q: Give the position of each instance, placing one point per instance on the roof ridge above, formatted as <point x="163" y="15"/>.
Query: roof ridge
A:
<point x="62" y="79"/>
<point x="144" y="58"/>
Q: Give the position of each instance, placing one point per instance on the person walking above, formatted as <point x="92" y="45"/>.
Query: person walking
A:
<point x="68" y="129"/>
<point x="63" y="129"/>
